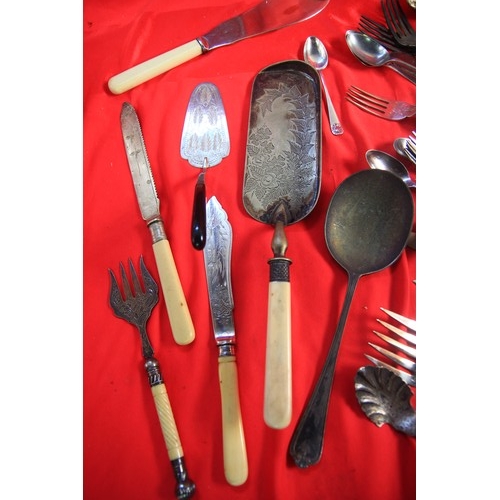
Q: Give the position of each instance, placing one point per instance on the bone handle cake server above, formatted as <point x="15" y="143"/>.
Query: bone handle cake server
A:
<point x="217" y="256"/>
<point x="268" y="15"/>
<point x="149" y="204"/>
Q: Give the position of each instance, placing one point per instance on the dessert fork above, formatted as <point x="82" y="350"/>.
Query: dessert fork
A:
<point x="404" y="355"/>
<point x="136" y="309"/>
<point x="380" y="106"/>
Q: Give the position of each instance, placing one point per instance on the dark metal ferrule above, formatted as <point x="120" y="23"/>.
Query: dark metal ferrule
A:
<point x="279" y="269"/>
<point x="153" y="370"/>
<point x="227" y="350"/>
<point x="185" y="487"/>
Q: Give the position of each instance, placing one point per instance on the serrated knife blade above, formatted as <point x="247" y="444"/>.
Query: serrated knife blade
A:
<point x="149" y="205"/>
<point x="217" y="256"/>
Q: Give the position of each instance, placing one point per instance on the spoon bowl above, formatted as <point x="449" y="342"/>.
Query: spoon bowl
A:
<point x="316" y="55"/>
<point x="384" y="161"/>
<point x="370" y="52"/>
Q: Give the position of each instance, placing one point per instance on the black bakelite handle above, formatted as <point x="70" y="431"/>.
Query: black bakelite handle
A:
<point x="199" y="219"/>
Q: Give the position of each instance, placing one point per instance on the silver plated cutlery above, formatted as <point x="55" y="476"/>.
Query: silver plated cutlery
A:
<point x="135" y="307"/>
<point x="382" y="107"/>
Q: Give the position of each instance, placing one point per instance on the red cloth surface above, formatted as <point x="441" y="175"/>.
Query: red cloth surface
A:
<point x="124" y="453"/>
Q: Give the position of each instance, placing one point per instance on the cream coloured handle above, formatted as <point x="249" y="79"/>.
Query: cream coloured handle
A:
<point x="147" y="70"/>
<point x="233" y="437"/>
<point x="178" y="312"/>
<point x="278" y="371"/>
<point x="167" y="421"/>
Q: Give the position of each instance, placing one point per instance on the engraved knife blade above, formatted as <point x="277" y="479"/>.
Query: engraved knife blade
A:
<point x="217" y="255"/>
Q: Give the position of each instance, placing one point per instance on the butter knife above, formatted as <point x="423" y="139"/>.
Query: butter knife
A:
<point x="149" y="204"/>
<point x="217" y="256"/>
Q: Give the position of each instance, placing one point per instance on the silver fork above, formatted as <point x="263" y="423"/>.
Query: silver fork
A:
<point x="405" y="354"/>
<point x="380" y="106"/>
<point x="382" y="34"/>
<point x="398" y="23"/>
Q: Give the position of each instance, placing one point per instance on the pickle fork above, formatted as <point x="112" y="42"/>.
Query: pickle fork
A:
<point x="136" y="309"/>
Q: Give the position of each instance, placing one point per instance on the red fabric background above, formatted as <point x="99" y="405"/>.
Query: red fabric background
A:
<point x="124" y="453"/>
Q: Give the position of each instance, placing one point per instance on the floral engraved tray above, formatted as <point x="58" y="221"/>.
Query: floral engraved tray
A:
<point x="283" y="153"/>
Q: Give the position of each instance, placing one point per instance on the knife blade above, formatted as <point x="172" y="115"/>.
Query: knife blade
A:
<point x="266" y="16"/>
<point x="217" y="256"/>
<point x="149" y="205"/>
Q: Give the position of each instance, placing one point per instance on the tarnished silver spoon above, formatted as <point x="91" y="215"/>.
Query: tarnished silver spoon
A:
<point x="384" y="161"/>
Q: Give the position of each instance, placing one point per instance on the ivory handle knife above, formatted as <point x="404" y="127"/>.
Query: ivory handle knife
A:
<point x="268" y="15"/>
<point x="217" y="255"/>
<point x="177" y="309"/>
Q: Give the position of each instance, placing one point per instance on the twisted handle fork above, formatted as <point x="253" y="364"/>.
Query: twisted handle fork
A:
<point x="136" y="308"/>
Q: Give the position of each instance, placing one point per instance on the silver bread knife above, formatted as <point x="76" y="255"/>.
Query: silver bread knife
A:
<point x="149" y="204"/>
<point x="217" y="256"/>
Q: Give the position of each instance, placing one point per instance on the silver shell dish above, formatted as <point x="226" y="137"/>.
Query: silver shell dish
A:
<point x="385" y="399"/>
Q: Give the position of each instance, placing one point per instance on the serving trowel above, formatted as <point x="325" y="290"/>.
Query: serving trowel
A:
<point x="217" y="256"/>
<point x="149" y="204"/>
<point x="204" y="142"/>
<point x="268" y="15"/>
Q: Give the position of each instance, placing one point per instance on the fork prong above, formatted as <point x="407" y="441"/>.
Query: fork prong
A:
<point x="409" y="323"/>
<point x="375" y="99"/>
<point x="408" y="378"/>
<point x="408" y="350"/>
<point x="126" y="285"/>
<point x="378" y="32"/>
<point x="409" y="337"/>
<point x="403" y="22"/>
<point x="135" y="280"/>
<point x="396" y="358"/>
<point x="368" y="102"/>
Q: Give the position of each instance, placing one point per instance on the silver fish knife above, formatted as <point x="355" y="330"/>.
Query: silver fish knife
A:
<point x="217" y="256"/>
<point x="149" y="204"/>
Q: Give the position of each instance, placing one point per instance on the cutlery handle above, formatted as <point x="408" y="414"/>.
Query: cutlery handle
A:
<point x="178" y="312"/>
<point x="147" y="70"/>
<point x="335" y="125"/>
<point x="405" y="70"/>
<point x="199" y="218"/>
<point x="185" y="487"/>
<point x="233" y="437"/>
<point x="278" y="371"/>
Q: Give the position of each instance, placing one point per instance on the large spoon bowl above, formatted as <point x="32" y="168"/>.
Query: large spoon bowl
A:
<point x="367" y="226"/>
<point x="384" y="161"/>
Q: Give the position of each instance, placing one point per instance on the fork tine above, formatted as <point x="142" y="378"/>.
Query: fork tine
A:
<point x="409" y="323"/>
<point x="126" y="286"/>
<point x="401" y="18"/>
<point x="378" y="32"/>
<point x="408" y="378"/>
<point x="410" y="351"/>
<point x="135" y="280"/>
<point x="366" y="101"/>
<point x="409" y="337"/>
<point x="399" y="360"/>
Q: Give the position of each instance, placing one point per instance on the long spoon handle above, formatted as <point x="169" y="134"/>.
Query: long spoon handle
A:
<point x="335" y="125"/>
<point x="306" y="444"/>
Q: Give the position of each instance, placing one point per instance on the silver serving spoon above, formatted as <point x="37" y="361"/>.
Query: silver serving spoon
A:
<point x="316" y="55"/>
<point x="372" y="53"/>
<point x="384" y="161"/>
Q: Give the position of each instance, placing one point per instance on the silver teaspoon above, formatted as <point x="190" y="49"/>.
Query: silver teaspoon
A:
<point x="316" y="55"/>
